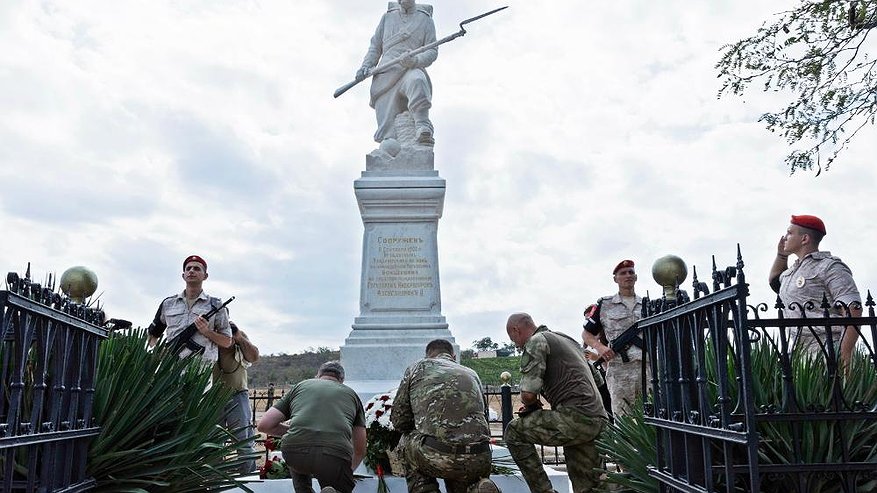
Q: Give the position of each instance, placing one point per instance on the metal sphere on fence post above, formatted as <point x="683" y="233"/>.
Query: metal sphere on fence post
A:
<point x="669" y="271"/>
<point x="78" y="283"/>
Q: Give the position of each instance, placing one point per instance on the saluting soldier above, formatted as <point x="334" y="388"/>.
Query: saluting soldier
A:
<point x="814" y="274"/>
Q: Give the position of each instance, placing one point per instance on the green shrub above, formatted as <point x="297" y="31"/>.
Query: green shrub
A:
<point x="158" y="421"/>
<point x="632" y="443"/>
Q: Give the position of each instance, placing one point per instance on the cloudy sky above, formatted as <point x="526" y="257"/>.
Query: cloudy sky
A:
<point x="571" y="135"/>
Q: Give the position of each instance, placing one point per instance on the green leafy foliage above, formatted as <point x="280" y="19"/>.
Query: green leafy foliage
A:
<point x="817" y="52"/>
<point x="632" y="443"/>
<point x="484" y="344"/>
<point x="158" y="421"/>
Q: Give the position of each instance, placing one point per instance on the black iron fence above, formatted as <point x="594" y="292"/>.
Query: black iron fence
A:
<point x="48" y="349"/>
<point x="741" y="404"/>
<point x="263" y="400"/>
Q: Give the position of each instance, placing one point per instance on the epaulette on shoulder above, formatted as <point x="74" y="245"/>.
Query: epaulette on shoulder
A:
<point x="169" y="297"/>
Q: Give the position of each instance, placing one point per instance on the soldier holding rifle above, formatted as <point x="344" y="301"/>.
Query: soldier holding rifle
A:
<point x="405" y="44"/>
<point x="613" y="315"/>
<point x="178" y="311"/>
<point x="406" y="85"/>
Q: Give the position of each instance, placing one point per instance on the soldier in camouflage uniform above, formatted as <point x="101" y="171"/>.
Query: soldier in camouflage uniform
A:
<point x="439" y="408"/>
<point x="615" y="314"/>
<point x="813" y="275"/>
<point x="553" y="366"/>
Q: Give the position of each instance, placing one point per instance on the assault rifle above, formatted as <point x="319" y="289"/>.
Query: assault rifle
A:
<point x="383" y="67"/>
<point x="624" y="341"/>
<point x="184" y="338"/>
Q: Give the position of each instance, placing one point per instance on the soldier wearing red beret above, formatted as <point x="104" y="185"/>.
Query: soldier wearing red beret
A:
<point x="176" y="312"/>
<point x="615" y="314"/>
<point x="814" y="274"/>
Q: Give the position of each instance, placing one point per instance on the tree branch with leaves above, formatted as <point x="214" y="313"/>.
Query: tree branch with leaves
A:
<point x="820" y="53"/>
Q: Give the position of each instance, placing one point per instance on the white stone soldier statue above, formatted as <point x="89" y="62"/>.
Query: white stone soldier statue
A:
<point x="405" y="86"/>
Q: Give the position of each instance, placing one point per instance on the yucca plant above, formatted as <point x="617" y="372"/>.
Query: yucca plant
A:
<point x="631" y="443"/>
<point x="158" y="418"/>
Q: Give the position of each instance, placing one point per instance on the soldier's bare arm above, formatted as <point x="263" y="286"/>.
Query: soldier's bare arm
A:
<point x="272" y="423"/>
<point x="359" y="440"/>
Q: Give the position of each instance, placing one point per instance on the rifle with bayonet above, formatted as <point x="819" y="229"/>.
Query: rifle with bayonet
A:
<point x="184" y="338"/>
<point x="390" y="63"/>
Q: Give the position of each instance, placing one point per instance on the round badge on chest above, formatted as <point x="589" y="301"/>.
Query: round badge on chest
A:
<point x="799" y="281"/>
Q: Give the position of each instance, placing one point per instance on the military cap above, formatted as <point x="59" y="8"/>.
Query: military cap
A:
<point x="622" y="265"/>
<point x="809" y="222"/>
<point x="194" y="258"/>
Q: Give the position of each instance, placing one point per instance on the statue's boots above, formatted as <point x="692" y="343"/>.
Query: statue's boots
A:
<point x="423" y="127"/>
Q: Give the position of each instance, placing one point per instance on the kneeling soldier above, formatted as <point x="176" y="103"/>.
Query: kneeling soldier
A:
<point x="439" y="408"/>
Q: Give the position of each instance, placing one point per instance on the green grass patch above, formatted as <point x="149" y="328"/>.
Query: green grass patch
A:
<point x="489" y="369"/>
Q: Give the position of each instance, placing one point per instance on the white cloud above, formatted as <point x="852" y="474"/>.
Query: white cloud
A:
<point x="571" y="135"/>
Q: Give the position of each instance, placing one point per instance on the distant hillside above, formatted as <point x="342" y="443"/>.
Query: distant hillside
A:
<point x="284" y="370"/>
<point x="489" y="369"/>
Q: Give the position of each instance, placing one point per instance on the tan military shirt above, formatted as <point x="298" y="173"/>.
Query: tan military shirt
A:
<point x="177" y="315"/>
<point x="616" y="317"/>
<point x="809" y="278"/>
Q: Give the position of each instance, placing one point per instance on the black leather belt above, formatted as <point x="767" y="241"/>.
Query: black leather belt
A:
<point x="475" y="448"/>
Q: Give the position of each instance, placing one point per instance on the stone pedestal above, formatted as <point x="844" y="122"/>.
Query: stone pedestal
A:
<point x="400" y="200"/>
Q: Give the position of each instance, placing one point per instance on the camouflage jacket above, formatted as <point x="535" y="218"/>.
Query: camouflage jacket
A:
<point x="441" y="398"/>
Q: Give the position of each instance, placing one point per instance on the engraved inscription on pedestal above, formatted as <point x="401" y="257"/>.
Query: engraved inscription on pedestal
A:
<point x="400" y="271"/>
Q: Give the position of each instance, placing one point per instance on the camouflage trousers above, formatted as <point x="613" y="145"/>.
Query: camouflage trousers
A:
<point x="566" y="427"/>
<point x="625" y="383"/>
<point x="424" y="464"/>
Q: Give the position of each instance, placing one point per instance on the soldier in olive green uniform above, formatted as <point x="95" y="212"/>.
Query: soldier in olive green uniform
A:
<point x="439" y="408"/>
<point x="231" y="370"/>
<point x="554" y="367"/>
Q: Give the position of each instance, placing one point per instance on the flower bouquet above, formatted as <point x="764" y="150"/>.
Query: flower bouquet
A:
<point x="274" y="466"/>
<point x="382" y="437"/>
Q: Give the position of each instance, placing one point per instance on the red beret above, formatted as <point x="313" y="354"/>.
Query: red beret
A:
<point x="622" y="265"/>
<point x="194" y="258"/>
<point x="810" y="222"/>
